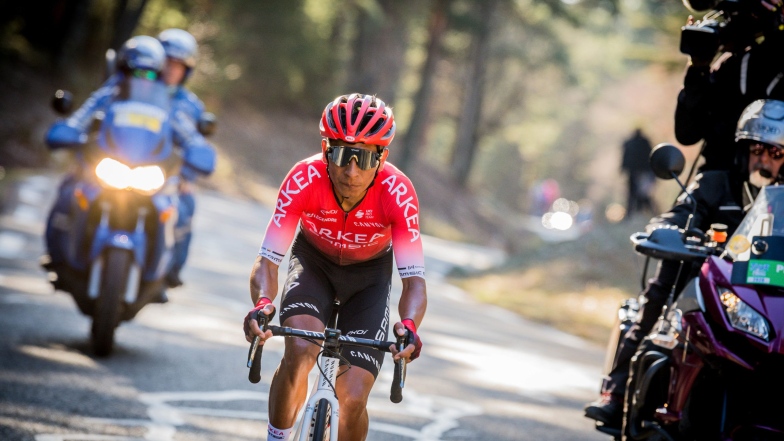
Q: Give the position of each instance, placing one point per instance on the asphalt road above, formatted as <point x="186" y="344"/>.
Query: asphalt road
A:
<point x="178" y="370"/>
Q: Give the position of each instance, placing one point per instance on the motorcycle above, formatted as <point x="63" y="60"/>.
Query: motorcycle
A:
<point x="113" y="229"/>
<point x="717" y="350"/>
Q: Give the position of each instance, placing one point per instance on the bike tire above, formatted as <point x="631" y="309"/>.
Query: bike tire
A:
<point x="106" y="315"/>
<point x="320" y="426"/>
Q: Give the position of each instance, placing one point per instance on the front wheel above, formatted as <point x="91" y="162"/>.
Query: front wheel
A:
<point x="320" y="426"/>
<point x="646" y="391"/>
<point x="107" y="312"/>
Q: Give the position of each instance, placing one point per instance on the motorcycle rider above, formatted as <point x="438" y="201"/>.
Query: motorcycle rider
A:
<point x="721" y="197"/>
<point x="181" y="53"/>
<point x="354" y="209"/>
<point x="139" y="57"/>
<point x="715" y="93"/>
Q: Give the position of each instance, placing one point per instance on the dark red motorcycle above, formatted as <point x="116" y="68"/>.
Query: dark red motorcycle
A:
<point x="713" y="367"/>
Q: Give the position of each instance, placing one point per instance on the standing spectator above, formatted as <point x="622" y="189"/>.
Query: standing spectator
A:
<point x="640" y="178"/>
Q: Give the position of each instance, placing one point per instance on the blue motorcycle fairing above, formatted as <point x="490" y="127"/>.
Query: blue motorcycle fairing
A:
<point x="61" y="135"/>
<point x="105" y="237"/>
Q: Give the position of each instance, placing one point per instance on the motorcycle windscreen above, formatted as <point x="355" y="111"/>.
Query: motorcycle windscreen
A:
<point x="136" y="128"/>
<point x="756" y="245"/>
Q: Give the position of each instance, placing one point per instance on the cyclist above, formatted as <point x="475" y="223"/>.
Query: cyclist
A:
<point x="354" y="211"/>
<point x="721" y="197"/>
<point x="181" y="53"/>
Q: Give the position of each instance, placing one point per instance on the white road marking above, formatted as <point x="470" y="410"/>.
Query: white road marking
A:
<point x="530" y="374"/>
<point x="11" y="244"/>
<point x="165" y="417"/>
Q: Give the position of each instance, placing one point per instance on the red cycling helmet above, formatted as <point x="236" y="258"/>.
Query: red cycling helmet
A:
<point x="358" y="118"/>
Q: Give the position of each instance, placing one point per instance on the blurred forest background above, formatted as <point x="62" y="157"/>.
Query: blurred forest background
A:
<point x="491" y="97"/>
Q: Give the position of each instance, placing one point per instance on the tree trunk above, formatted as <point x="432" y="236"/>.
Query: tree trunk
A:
<point x="467" y="136"/>
<point x="414" y="137"/>
<point x="128" y="14"/>
<point x="379" y="48"/>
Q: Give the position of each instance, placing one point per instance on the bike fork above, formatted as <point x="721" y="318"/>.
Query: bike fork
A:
<point x="324" y="389"/>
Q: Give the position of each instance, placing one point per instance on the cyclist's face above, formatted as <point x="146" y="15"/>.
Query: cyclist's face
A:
<point x="174" y="72"/>
<point x="350" y="181"/>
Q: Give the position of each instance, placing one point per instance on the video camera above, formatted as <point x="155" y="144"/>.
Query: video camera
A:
<point x="729" y="25"/>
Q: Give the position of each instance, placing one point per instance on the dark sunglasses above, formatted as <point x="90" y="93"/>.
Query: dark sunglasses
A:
<point x="774" y="151"/>
<point x="342" y="155"/>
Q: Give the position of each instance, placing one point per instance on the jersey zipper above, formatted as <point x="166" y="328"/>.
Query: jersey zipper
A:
<point x="342" y="235"/>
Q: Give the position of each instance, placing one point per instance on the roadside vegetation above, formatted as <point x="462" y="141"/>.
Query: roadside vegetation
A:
<point x="574" y="286"/>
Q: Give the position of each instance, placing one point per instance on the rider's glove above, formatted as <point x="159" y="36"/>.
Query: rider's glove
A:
<point x="254" y="314"/>
<point x="409" y="324"/>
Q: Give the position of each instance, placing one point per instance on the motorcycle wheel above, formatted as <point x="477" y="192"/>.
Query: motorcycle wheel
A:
<point x="106" y="315"/>
<point x="655" y="392"/>
<point x="320" y="427"/>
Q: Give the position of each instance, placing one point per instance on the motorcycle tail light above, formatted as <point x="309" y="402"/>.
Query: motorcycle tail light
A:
<point x="742" y="316"/>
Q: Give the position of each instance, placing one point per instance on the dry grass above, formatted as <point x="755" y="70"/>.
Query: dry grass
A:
<point x="576" y="286"/>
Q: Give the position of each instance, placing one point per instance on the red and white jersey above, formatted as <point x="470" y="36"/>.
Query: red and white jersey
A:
<point x="387" y="216"/>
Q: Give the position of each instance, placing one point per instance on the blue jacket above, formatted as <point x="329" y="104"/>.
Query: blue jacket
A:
<point x="186" y="109"/>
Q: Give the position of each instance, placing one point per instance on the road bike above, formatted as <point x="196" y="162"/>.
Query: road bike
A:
<point x="322" y="409"/>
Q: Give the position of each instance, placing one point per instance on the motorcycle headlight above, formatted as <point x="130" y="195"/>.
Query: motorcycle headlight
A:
<point x="115" y="174"/>
<point x="742" y="316"/>
<point x="148" y="179"/>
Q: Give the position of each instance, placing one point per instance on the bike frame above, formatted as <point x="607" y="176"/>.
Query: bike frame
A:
<point x="323" y="389"/>
<point x="328" y="365"/>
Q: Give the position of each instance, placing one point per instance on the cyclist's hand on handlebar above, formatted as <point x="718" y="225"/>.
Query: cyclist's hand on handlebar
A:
<point x="251" y="323"/>
<point x="414" y="347"/>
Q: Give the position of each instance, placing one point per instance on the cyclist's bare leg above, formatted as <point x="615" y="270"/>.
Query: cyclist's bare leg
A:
<point x="289" y="386"/>
<point x="353" y="389"/>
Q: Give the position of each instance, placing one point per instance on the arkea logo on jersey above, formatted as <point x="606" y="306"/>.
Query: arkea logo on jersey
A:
<point x="407" y="204"/>
<point x="293" y="186"/>
<point x="339" y="238"/>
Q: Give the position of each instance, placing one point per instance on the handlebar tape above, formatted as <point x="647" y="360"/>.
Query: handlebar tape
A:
<point x="255" y="351"/>
<point x="399" y="376"/>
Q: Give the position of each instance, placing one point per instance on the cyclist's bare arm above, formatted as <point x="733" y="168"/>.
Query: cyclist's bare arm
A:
<point x="263" y="283"/>
<point x="412" y="305"/>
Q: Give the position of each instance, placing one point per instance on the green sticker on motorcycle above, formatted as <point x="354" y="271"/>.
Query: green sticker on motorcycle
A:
<point x="765" y="272"/>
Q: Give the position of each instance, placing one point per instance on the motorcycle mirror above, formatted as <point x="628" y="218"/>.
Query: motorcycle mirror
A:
<point x="207" y="123"/>
<point x="667" y="161"/>
<point x="62" y="102"/>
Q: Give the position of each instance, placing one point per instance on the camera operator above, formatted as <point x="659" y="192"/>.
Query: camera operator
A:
<point x="749" y="66"/>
